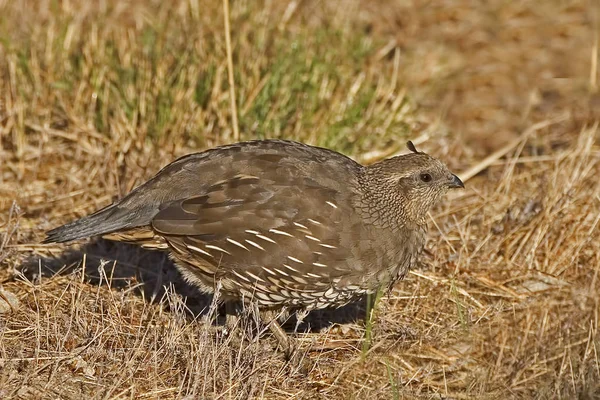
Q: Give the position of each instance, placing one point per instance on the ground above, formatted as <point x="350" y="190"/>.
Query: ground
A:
<point x="95" y="97"/>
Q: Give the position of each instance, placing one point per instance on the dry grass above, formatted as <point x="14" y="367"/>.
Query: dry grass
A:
<point x="96" y="96"/>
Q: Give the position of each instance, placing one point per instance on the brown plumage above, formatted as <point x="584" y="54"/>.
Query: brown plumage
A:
<point x="280" y="223"/>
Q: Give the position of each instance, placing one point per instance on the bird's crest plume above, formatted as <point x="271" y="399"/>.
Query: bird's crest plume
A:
<point x="412" y="147"/>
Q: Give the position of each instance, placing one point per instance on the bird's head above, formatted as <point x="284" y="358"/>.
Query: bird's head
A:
<point x="410" y="184"/>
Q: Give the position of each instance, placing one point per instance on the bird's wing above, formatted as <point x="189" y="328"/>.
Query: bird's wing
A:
<point x="260" y="230"/>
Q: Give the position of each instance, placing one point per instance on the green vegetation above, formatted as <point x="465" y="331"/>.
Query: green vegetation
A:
<point x="164" y="78"/>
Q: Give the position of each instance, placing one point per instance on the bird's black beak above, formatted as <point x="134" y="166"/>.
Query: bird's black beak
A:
<point x="455" y="182"/>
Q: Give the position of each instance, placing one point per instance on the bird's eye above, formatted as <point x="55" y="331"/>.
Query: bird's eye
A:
<point x="425" y="177"/>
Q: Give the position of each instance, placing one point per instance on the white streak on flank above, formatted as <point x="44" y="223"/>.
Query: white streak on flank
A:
<point x="331" y="204"/>
<point x="295" y="259"/>
<point x="262" y="296"/>
<point x="281" y="272"/>
<point x="319" y="265"/>
<point x="199" y="250"/>
<point x="312" y="238"/>
<point x="300" y="225"/>
<point x="252" y="232"/>
<point x="327" y="245"/>
<point x="265" y="238"/>
<point x="210" y="246"/>
<point x="244" y="176"/>
<point x="269" y="271"/>
<point x="290" y="268"/>
<point x="318" y="253"/>
<point x="299" y="279"/>
<point x="258" y="246"/>
<point x="258" y="278"/>
<point x="313" y="275"/>
<point x="241" y="276"/>
<point x="153" y="246"/>
<point x="237" y="244"/>
<point x="205" y="269"/>
<point x="260" y="287"/>
<point x="219" y="183"/>
<point x="312" y="221"/>
<point x="280" y="232"/>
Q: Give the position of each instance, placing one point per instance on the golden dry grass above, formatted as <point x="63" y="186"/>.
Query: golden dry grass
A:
<point x="96" y="96"/>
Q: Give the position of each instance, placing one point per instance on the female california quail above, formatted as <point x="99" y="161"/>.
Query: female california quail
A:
<point x="280" y="223"/>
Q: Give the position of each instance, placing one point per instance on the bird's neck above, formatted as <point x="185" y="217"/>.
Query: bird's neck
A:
<point x="383" y="204"/>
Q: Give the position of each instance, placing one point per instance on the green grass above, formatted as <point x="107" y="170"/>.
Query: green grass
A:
<point x="461" y="310"/>
<point x="372" y="302"/>
<point x="166" y="79"/>
<point x="393" y="383"/>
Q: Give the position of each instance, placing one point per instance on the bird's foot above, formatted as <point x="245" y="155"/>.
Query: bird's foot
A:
<point x="296" y="358"/>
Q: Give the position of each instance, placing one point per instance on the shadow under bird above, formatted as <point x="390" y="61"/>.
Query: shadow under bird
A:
<point x="280" y="224"/>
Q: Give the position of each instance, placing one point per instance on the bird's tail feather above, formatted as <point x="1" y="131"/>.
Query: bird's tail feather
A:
<point x="106" y="220"/>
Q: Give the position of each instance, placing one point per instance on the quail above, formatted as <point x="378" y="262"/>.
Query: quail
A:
<point x="280" y="224"/>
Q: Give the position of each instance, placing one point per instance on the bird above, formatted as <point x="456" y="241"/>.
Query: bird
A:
<point x="280" y="224"/>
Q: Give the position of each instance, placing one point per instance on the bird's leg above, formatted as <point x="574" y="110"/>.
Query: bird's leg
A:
<point x="232" y="319"/>
<point x="287" y="343"/>
<point x="300" y="315"/>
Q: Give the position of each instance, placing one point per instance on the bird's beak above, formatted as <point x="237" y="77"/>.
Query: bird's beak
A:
<point x="455" y="182"/>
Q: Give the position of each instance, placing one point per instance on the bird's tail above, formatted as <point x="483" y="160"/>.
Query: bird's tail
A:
<point x="107" y="220"/>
